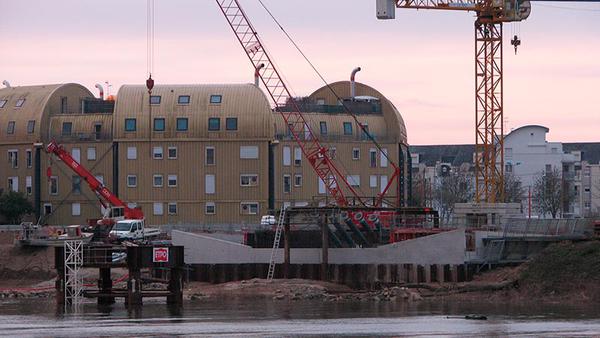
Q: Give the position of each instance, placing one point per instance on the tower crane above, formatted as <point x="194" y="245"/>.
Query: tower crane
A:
<point x="489" y="105"/>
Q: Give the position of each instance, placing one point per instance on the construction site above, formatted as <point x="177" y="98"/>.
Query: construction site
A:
<point x="159" y="185"/>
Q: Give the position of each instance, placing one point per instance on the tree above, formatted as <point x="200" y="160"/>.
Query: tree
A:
<point x="551" y="195"/>
<point x="421" y="191"/>
<point x="455" y="187"/>
<point x="513" y="189"/>
<point x="13" y="206"/>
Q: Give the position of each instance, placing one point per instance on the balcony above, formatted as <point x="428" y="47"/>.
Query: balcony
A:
<point x="82" y="137"/>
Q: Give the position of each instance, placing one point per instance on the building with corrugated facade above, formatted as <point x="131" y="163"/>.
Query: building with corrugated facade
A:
<point x="197" y="154"/>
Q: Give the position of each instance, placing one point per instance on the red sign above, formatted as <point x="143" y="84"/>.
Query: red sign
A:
<point x="161" y="255"/>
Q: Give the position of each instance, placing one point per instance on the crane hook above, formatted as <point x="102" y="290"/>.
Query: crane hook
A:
<point x="515" y="42"/>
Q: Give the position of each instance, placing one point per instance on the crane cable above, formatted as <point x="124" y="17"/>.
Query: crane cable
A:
<point x="150" y="65"/>
<point x="346" y="109"/>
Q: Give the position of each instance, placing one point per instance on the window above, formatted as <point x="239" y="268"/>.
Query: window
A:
<point x="91" y="153"/>
<point x="76" y="209"/>
<point x="159" y="124"/>
<point x="63" y="105"/>
<point x="347" y="128"/>
<point x="586" y="189"/>
<point x="355" y="153"/>
<point x="365" y="131"/>
<point x="28" y="185"/>
<point x="373" y="181"/>
<point x="13" y="158"/>
<point x="100" y="178"/>
<point x="383" y="181"/>
<point x="53" y="185"/>
<point x="76" y="185"/>
<point x="332" y="152"/>
<point x="353" y="180"/>
<point x="248" y="180"/>
<point x="249" y="152"/>
<point x="10" y="129"/>
<point x="216" y="99"/>
<point x="47" y="208"/>
<point x="287" y="184"/>
<point x="209" y="208"/>
<point x="172" y="181"/>
<point x="231" y="123"/>
<point x="172" y="153"/>
<point x="130" y="124"/>
<point x="209" y="155"/>
<point x="3" y="103"/>
<point x="587" y="205"/>
<point x="209" y="184"/>
<point x="76" y="154"/>
<point x="183" y="99"/>
<point x="131" y="181"/>
<point x="157" y="208"/>
<point x="297" y="156"/>
<point x="155" y="99"/>
<point x="383" y="161"/>
<point x="131" y="153"/>
<point x="157" y="153"/>
<point x="321" y="186"/>
<point x="20" y="103"/>
<point x="214" y="123"/>
<point x="182" y="124"/>
<point x="298" y="180"/>
<point x="13" y="183"/>
<point x="172" y="208"/>
<point x="287" y="156"/>
<point x="508" y="167"/>
<point x="249" y="208"/>
<point x="97" y="131"/>
<point x="157" y="181"/>
<point x="323" y="127"/>
<point x="373" y="157"/>
<point x="67" y="128"/>
<point x="30" y="126"/>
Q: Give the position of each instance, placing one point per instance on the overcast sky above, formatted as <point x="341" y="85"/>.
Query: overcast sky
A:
<point x="423" y="61"/>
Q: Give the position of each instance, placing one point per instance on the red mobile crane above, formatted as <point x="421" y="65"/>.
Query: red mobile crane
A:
<point x="317" y="154"/>
<point x="116" y="209"/>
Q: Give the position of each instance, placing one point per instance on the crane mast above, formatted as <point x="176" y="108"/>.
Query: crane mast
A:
<point x="106" y="197"/>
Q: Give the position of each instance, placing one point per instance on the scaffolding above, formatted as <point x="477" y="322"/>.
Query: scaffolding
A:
<point x="73" y="255"/>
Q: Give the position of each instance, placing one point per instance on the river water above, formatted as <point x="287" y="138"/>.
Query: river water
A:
<point x="40" y="318"/>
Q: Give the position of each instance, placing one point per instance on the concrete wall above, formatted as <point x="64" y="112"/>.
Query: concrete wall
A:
<point x="444" y="248"/>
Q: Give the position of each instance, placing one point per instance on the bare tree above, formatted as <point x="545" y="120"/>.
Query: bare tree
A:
<point x="550" y="193"/>
<point x="456" y="187"/>
<point x="421" y="191"/>
<point x="513" y="189"/>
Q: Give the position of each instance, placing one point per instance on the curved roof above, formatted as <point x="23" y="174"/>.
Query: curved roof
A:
<point x="245" y="102"/>
<point x="39" y="103"/>
<point x="393" y="125"/>
<point x="530" y="126"/>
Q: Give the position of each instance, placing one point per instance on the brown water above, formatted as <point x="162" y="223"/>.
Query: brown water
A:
<point x="40" y="318"/>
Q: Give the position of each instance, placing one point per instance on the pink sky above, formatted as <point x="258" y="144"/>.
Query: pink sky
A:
<point x="422" y="61"/>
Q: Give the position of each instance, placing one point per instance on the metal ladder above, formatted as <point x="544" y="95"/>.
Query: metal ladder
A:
<point x="278" y="231"/>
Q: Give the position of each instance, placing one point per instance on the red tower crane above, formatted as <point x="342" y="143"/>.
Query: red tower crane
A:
<point x="117" y="208"/>
<point x="316" y="153"/>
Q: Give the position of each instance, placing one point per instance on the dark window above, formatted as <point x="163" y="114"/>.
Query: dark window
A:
<point x="347" y="128"/>
<point x="155" y="99"/>
<point x="183" y="99"/>
<point x="28" y="158"/>
<point x="323" y="126"/>
<point x="76" y="185"/>
<point x="130" y="124"/>
<point x="214" y="123"/>
<point x="97" y="131"/>
<point x="216" y="99"/>
<point x="11" y="127"/>
<point x="30" y="126"/>
<point x="365" y="132"/>
<point x="231" y="123"/>
<point x="182" y="124"/>
<point x="67" y="128"/>
<point x="63" y="105"/>
<point x="2" y="103"/>
<point x="210" y="156"/>
<point x="159" y="124"/>
<point x="20" y="103"/>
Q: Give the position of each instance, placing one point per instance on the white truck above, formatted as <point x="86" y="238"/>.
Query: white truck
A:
<point x="133" y="230"/>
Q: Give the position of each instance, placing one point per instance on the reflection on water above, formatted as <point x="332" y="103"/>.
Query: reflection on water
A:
<point x="34" y="317"/>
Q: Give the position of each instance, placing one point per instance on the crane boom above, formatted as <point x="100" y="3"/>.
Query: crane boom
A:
<point x="316" y="154"/>
<point x="106" y="197"/>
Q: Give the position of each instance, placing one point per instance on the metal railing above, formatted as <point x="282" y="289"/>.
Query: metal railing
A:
<point x="82" y="137"/>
